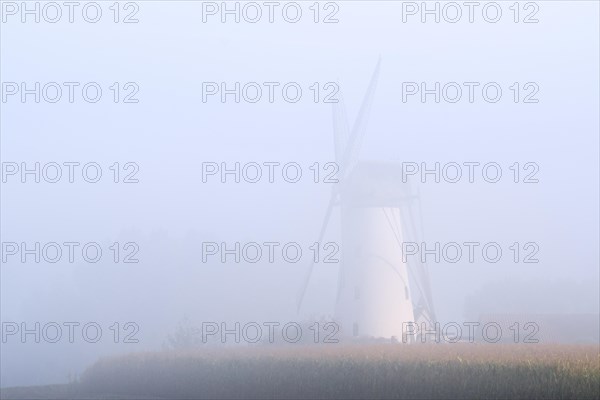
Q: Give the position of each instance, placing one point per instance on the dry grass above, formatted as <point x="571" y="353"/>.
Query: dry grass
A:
<point x="366" y="371"/>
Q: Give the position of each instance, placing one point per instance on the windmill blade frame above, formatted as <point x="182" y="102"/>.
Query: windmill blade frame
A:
<point x="349" y="154"/>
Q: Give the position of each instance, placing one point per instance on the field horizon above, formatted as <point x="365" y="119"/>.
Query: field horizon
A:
<point x="440" y="371"/>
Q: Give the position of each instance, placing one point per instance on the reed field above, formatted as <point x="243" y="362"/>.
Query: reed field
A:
<point x="388" y="371"/>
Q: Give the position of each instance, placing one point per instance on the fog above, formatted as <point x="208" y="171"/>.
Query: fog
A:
<point x="170" y="134"/>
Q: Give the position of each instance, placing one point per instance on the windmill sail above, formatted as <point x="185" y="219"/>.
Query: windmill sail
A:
<point x="348" y="153"/>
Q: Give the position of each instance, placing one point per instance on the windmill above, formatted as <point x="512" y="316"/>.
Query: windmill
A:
<point x="377" y="291"/>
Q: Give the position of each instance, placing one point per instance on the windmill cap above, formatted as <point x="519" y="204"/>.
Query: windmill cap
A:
<point x="376" y="184"/>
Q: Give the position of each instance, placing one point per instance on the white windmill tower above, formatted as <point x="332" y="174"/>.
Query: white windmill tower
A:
<point x="377" y="291"/>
